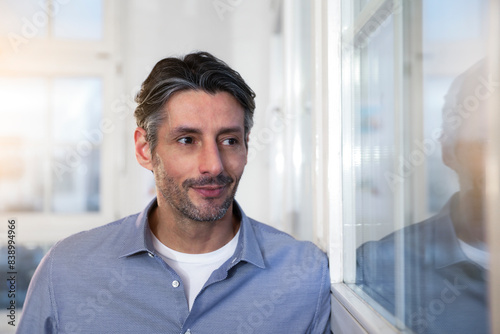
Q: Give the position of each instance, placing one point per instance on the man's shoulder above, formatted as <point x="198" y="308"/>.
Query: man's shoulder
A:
<point x="102" y="238"/>
<point x="414" y="235"/>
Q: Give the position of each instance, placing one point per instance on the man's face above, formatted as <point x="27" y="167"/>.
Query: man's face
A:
<point x="471" y="157"/>
<point x="201" y="154"/>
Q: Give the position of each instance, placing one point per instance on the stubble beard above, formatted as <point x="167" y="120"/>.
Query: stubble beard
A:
<point x="177" y="196"/>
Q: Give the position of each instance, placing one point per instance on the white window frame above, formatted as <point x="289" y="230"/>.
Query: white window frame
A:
<point x="350" y="313"/>
<point x="42" y="58"/>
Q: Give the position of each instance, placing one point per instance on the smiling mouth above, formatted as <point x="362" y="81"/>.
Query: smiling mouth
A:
<point x="212" y="191"/>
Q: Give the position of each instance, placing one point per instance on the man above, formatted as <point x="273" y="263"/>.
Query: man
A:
<point x="192" y="261"/>
<point x="444" y="262"/>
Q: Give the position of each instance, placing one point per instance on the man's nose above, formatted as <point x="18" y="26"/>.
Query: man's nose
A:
<point x="210" y="161"/>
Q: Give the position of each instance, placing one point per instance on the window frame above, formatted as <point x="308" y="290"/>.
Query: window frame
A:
<point x="350" y="313"/>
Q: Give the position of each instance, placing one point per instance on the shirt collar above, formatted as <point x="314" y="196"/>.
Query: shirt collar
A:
<point x="137" y="238"/>
<point x="248" y="248"/>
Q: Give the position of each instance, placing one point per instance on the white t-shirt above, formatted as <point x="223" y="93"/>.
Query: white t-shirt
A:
<point x="478" y="255"/>
<point x="195" y="269"/>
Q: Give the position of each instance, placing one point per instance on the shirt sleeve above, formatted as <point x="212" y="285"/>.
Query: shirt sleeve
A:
<point x="38" y="314"/>
<point x="321" y="322"/>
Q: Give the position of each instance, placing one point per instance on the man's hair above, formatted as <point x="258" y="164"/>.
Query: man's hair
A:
<point x="196" y="71"/>
<point x="464" y="98"/>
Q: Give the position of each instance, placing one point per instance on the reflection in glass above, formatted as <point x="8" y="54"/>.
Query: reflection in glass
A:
<point x="418" y="100"/>
<point x="445" y="257"/>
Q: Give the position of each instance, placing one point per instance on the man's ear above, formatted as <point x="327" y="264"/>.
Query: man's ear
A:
<point x="142" y="151"/>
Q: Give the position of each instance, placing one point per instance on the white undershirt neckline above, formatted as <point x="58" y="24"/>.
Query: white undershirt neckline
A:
<point x="195" y="269"/>
<point x="475" y="254"/>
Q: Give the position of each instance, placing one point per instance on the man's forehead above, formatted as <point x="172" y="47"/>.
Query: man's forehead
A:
<point x="196" y="111"/>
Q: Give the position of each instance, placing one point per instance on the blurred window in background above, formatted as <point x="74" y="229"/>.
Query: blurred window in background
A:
<point x="54" y="19"/>
<point x="80" y="19"/>
<point x="56" y="73"/>
<point x="51" y="163"/>
<point x="52" y="145"/>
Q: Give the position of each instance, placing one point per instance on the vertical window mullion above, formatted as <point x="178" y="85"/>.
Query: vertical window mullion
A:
<point x="48" y="184"/>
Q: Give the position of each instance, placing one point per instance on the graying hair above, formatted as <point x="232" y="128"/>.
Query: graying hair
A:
<point x="196" y="71"/>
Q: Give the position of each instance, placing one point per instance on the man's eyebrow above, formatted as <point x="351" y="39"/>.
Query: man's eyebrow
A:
<point x="181" y="130"/>
<point x="231" y="130"/>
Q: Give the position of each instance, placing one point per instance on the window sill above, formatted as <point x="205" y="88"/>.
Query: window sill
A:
<point x="351" y="314"/>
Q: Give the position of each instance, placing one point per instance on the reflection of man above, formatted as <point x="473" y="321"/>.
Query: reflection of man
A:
<point x="443" y="262"/>
<point x="192" y="261"/>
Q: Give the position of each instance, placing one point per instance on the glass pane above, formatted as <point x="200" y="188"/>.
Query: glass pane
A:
<point x="22" y="172"/>
<point x="77" y="138"/>
<point x="417" y="183"/>
<point x="23" y="20"/>
<point x="22" y="143"/>
<point x="80" y="19"/>
<point x="76" y="179"/>
<point x="77" y="110"/>
<point x="25" y="105"/>
<point x="373" y="118"/>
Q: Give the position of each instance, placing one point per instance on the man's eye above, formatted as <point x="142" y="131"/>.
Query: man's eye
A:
<point x="230" y="141"/>
<point x="185" y="140"/>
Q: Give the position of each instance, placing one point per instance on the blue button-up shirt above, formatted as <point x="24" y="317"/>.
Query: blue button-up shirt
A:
<point x="110" y="280"/>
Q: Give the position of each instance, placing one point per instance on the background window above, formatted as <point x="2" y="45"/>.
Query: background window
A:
<point x="47" y="165"/>
<point x="52" y="88"/>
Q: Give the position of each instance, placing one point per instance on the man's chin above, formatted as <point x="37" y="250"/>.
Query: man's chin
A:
<point x="209" y="209"/>
<point x="204" y="216"/>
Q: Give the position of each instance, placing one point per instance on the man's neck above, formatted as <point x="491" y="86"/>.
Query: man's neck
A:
<point x="468" y="218"/>
<point x="188" y="236"/>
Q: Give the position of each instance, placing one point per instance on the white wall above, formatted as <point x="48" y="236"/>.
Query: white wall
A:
<point x="151" y="30"/>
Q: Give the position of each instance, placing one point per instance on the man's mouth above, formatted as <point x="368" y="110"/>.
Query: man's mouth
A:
<point x="211" y="191"/>
<point x="209" y="187"/>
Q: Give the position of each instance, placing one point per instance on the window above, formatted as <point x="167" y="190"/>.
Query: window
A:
<point x="416" y="92"/>
<point x="50" y="167"/>
<point x="56" y="69"/>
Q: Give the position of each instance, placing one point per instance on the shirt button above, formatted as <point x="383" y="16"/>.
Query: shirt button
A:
<point x="175" y="284"/>
<point x="188" y="331"/>
<point x="151" y="255"/>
